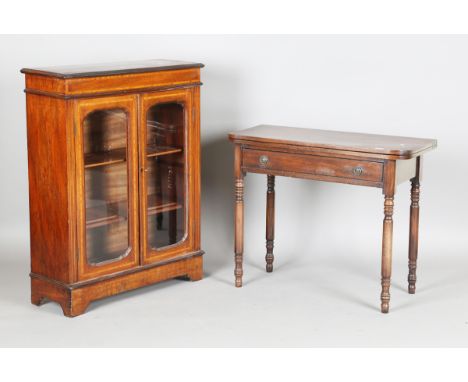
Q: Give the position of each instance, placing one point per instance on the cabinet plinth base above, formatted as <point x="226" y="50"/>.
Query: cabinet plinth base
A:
<point x="75" y="298"/>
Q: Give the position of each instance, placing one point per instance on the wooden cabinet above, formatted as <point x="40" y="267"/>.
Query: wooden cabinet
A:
<point x="114" y="178"/>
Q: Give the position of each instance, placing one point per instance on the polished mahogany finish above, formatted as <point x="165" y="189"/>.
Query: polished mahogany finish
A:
<point x="332" y="156"/>
<point x="387" y="146"/>
<point x="114" y="179"/>
<point x="281" y="163"/>
<point x="270" y="222"/>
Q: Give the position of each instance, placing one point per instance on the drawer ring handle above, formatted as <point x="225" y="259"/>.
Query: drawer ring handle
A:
<point x="358" y="171"/>
<point x="263" y="160"/>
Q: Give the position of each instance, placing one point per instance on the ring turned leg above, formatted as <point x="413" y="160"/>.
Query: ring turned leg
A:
<point x="387" y="253"/>
<point x="270" y="222"/>
<point x="239" y="216"/>
<point x="413" y="235"/>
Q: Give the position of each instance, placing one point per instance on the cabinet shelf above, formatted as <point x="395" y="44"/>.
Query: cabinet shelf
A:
<point x="156" y="206"/>
<point x="120" y="155"/>
<point x="152" y="210"/>
<point x="155" y="151"/>
<point x="105" y="158"/>
<point x="99" y="216"/>
<point x="162" y="127"/>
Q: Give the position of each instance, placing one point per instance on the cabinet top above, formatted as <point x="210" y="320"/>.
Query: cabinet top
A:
<point x="386" y="145"/>
<point x="109" y="69"/>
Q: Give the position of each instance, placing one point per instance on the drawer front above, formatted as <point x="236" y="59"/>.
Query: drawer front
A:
<point x="265" y="161"/>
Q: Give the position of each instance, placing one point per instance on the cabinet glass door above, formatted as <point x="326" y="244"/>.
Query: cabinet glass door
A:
<point x="165" y="177"/>
<point x="107" y="151"/>
<point x="165" y="173"/>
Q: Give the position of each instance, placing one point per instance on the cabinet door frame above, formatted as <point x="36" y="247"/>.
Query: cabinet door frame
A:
<point x="82" y="108"/>
<point x="180" y="249"/>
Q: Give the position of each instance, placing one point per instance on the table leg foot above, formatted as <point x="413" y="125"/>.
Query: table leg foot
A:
<point x="385" y="296"/>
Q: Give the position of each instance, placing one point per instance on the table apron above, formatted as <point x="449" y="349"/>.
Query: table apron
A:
<point x="331" y="169"/>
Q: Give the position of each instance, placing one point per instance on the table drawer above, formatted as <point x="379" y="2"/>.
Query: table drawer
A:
<point x="265" y="161"/>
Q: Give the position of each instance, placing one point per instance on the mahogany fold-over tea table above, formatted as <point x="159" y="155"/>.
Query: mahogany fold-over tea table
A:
<point x="332" y="156"/>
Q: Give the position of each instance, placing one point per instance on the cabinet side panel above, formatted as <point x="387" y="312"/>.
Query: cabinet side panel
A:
<point x="48" y="192"/>
<point x="197" y="166"/>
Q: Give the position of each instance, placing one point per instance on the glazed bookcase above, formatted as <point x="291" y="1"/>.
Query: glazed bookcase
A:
<point x="114" y="179"/>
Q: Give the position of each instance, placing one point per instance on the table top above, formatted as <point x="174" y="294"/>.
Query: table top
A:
<point x="403" y="147"/>
<point x="109" y="69"/>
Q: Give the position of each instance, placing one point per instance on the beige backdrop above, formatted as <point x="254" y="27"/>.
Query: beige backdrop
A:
<point x="325" y="288"/>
